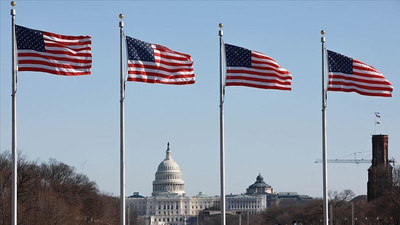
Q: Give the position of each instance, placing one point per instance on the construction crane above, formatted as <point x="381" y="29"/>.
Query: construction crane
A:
<point x="355" y="160"/>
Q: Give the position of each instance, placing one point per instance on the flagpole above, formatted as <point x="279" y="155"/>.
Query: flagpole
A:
<point x="14" y="121"/>
<point x="122" y="125"/>
<point x="221" y="125"/>
<point x="324" y="145"/>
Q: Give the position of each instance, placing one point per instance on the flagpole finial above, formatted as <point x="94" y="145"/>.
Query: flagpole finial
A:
<point x="121" y="23"/>
<point x="221" y="32"/>
<point x="13" y="3"/>
<point x="323" y="32"/>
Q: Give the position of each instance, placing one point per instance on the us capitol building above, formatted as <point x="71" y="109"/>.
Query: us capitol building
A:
<point x="168" y="204"/>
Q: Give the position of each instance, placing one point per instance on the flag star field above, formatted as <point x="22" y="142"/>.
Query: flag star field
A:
<point x="340" y="63"/>
<point x="29" y="39"/>
<point x="237" y="56"/>
<point x="139" y="50"/>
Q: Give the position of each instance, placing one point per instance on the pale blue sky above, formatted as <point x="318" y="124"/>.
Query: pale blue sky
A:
<point x="276" y="133"/>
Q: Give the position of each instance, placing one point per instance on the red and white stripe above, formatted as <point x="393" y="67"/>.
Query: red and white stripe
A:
<point x="170" y="67"/>
<point x="64" y="55"/>
<point x="265" y="73"/>
<point x="365" y="80"/>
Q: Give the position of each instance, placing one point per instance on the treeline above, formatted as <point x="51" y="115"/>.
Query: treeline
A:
<point x="53" y="193"/>
<point x="342" y="205"/>
<point x="382" y="211"/>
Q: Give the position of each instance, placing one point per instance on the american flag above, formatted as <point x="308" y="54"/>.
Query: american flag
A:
<point x="47" y="52"/>
<point x="152" y="63"/>
<point x="350" y="75"/>
<point x="254" y="69"/>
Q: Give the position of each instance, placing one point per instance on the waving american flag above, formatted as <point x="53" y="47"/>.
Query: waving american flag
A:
<point x="254" y="69"/>
<point x="153" y="63"/>
<point x="350" y="75"/>
<point x="47" y="52"/>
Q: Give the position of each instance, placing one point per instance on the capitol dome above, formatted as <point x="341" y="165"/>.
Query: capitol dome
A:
<point x="168" y="178"/>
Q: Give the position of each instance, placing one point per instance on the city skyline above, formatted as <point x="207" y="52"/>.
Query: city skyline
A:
<point x="278" y="134"/>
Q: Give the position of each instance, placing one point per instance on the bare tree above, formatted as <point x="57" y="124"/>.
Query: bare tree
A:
<point x="54" y="194"/>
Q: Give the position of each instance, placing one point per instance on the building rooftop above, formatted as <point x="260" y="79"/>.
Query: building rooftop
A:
<point x="136" y="195"/>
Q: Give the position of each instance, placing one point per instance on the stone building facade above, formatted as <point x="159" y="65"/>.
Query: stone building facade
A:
<point x="168" y="204"/>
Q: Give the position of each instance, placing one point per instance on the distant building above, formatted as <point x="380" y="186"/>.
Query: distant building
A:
<point x="168" y="204"/>
<point x="380" y="172"/>
<point x="294" y="196"/>
<point x="261" y="188"/>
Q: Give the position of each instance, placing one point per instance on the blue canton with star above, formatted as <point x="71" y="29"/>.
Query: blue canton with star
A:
<point x="237" y="56"/>
<point x="139" y="50"/>
<point x="339" y="63"/>
<point x="29" y="39"/>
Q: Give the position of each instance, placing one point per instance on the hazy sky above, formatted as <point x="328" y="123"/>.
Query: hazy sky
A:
<point x="276" y="133"/>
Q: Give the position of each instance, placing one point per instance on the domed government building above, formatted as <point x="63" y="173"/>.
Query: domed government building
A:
<point x="168" y="204"/>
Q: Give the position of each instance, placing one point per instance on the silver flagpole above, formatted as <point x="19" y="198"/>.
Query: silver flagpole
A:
<point x="14" y="121"/>
<point x="221" y="125"/>
<point x="122" y="124"/>
<point x="324" y="145"/>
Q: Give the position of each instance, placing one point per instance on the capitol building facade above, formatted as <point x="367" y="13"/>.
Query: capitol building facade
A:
<point x="168" y="204"/>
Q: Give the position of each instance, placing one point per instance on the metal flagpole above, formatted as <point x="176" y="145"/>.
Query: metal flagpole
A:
<point x="221" y="125"/>
<point x="324" y="145"/>
<point x="122" y="124"/>
<point x="14" y="121"/>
